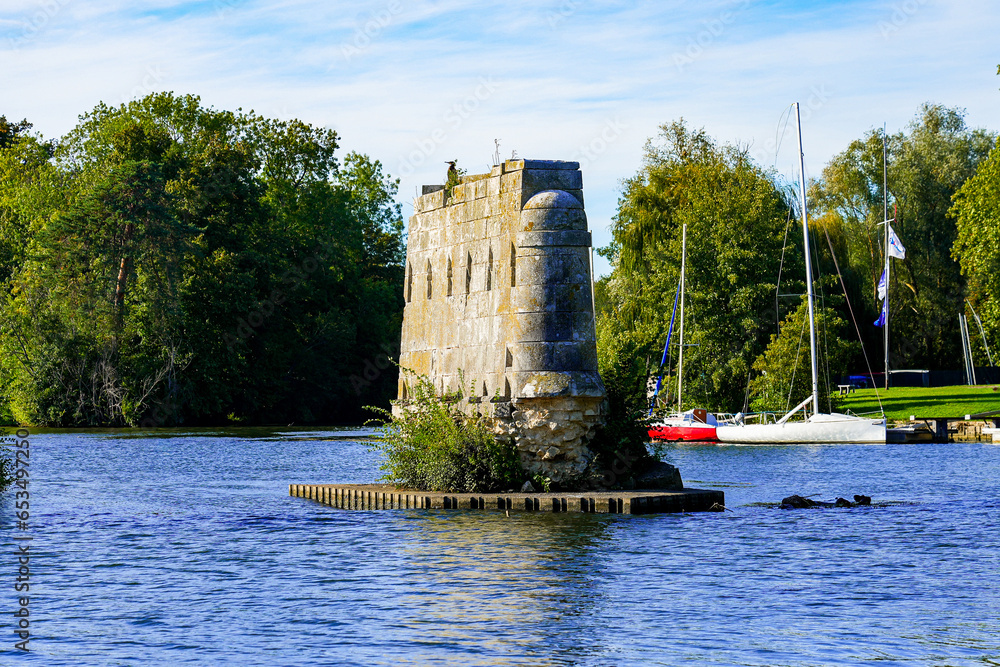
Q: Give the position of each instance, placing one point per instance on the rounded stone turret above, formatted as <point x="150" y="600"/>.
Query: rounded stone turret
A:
<point x="558" y="391"/>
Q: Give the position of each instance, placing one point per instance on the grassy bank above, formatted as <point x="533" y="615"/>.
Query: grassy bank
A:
<point x="901" y="402"/>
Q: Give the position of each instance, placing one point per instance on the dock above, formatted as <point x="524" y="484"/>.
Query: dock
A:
<point x="942" y="427"/>
<point x="387" y="497"/>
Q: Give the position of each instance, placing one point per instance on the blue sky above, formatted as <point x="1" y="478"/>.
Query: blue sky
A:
<point x="416" y="83"/>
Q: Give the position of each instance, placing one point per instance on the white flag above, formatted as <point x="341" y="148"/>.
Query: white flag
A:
<point x="896" y="248"/>
<point x="881" y="286"/>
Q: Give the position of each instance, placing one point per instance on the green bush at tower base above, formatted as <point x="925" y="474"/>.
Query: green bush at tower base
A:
<point x="432" y="446"/>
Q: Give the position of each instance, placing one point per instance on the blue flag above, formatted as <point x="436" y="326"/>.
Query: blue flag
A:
<point x="880" y="322"/>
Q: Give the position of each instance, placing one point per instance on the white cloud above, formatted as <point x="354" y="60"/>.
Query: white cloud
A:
<point x="561" y="69"/>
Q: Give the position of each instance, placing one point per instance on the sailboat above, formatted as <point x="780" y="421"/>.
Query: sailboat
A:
<point x="817" y="427"/>
<point x="696" y="425"/>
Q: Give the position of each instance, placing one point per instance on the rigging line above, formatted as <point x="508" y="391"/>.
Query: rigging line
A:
<point x="779" y="137"/>
<point x="777" y="288"/>
<point x="822" y="323"/>
<point x="853" y="320"/>
<point x="795" y="368"/>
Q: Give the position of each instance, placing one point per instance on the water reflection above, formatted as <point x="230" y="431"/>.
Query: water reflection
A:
<point x="527" y="581"/>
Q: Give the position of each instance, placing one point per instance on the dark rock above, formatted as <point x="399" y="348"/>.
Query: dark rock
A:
<point x="660" y="475"/>
<point x="843" y="502"/>
<point x="797" y="502"/>
<point x="862" y="500"/>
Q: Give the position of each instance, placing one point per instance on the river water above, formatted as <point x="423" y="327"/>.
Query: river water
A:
<point x="184" y="548"/>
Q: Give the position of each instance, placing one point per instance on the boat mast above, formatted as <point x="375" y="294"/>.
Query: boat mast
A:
<point x="809" y="278"/>
<point x="680" y="355"/>
<point x="885" y="217"/>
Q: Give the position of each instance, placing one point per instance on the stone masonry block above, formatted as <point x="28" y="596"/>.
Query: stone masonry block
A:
<point x="554" y="268"/>
<point x="557" y="326"/>
<point x="554" y="356"/>
<point x="550" y="164"/>
<point x="511" y="183"/>
<point x="544" y="239"/>
<point x="553" y="219"/>
<point x="429" y="202"/>
<point x="551" y="298"/>
<point x="537" y="180"/>
<point x="477" y="209"/>
<point x="578" y="194"/>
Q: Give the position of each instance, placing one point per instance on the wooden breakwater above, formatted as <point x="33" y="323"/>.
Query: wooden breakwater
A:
<point x="386" y="497"/>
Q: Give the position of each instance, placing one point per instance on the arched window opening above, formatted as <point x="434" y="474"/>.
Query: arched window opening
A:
<point x="468" y="274"/>
<point x="513" y="265"/>
<point x="489" y="271"/>
<point x="428" y="279"/>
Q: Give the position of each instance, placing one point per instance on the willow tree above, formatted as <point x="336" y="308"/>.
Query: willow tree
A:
<point x="736" y="219"/>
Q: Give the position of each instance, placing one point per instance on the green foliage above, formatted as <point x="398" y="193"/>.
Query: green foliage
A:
<point x="432" y="446"/>
<point x="171" y="263"/>
<point x="619" y="445"/>
<point x="926" y="166"/>
<point x="736" y="220"/>
<point x="977" y="246"/>
<point x="783" y="376"/>
<point x="9" y="132"/>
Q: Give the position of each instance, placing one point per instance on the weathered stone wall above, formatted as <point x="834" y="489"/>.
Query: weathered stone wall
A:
<point x="498" y="287"/>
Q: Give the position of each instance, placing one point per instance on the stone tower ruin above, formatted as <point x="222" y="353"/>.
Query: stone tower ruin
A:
<point x="498" y="287"/>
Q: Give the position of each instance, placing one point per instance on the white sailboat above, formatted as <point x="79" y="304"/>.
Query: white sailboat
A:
<point x="816" y="427"/>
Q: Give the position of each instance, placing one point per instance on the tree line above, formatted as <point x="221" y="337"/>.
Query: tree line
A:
<point x="746" y="345"/>
<point x="167" y="263"/>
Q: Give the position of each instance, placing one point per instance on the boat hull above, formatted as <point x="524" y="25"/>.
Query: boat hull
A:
<point x="704" y="433"/>
<point x="818" y="429"/>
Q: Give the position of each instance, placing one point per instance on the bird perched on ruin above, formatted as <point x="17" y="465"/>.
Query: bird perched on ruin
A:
<point x="453" y="178"/>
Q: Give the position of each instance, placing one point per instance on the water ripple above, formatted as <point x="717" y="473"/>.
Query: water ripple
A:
<point x="184" y="548"/>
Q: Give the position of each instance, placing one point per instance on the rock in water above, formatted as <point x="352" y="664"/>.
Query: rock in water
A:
<point x="796" y="502"/>
<point x="843" y="502"/>
<point x="862" y="500"/>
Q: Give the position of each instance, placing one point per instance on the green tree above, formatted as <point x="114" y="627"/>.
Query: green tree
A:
<point x="783" y="373"/>
<point x="977" y="246"/>
<point x="736" y="219"/>
<point x="182" y="264"/>
<point x="926" y="166"/>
